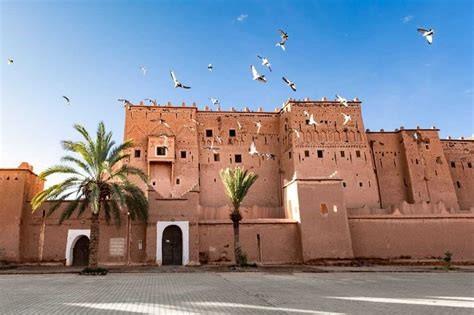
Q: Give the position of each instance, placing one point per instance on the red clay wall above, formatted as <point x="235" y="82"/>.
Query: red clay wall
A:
<point x="415" y="236"/>
<point x="279" y="240"/>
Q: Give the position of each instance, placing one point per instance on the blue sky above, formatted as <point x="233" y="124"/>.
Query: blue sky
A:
<point x="91" y="51"/>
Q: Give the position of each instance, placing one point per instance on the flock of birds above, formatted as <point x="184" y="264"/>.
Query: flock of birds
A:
<point x="256" y="76"/>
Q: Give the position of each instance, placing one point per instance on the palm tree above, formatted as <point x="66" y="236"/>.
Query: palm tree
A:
<point x="97" y="181"/>
<point x="237" y="183"/>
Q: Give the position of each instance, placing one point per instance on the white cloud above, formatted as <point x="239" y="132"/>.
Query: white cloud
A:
<point x="242" y="17"/>
<point x="407" y="18"/>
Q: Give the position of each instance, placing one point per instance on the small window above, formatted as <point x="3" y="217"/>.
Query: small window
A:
<point x="453" y="164"/>
<point x="232" y="133"/>
<point x="137" y="153"/>
<point x="307" y="121"/>
<point x="358" y="153"/>
<point x="320" y="154"/>
<point x="323" y="209"/>
<point x="343" y="154"/>
<point x="153" y="183"/>
<point x="238" y="158"/>
<point x="289" y="155"/>
<point x="360" y="184"/>
<point x="208" y="133"/>
<point x="217" y="157"/>
<point x="306" y="153"/>
<point x="161" y="151"/>
<point x="177" y="181"/>
<point x="344" y="184"/>
<point x="427" y="147"/>
<point x="416" y="161"/>
<point x="469" y="164"/>
<point x="183" y="154"/>
<point x="458" y="183"/>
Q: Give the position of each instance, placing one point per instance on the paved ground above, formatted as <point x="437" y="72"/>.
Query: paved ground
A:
<point x="239" y="293"/>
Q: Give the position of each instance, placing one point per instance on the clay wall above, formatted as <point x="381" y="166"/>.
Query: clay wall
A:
<point x="460" y="159"/>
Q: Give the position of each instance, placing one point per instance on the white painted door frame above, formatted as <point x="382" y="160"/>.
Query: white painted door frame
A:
<point x="160" y="227"/>
<point x="72" y="236"/>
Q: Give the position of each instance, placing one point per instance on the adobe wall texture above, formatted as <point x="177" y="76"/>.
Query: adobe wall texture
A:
<point x="330" y="190"/>
<point x="418" y="237"/>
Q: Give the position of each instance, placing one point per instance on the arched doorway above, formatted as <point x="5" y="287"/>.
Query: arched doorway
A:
<point x="172" y="246"/>
<point x="80" y="252"/>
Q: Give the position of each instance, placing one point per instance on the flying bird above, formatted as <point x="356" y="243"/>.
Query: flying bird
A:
<point x="143" y="69"/>
<point x="10" y="61"/>
<point x="257" y="76"/>
<point x="219" y="139"/>
<point x="163" y="122"/>
<point x="269" y="156"/>
<point x="427" y="34"/>
<point x="312" y="121"/>
<point x="210" y="67"/>
<point x="347" y="118"/>
<point x="211" y="147"/>
<point x="178" y="84"/>
<point x="341" y="100"/>
<point x="215" y="102"/>
<point x="68" y="101"/>
<point x="291" y="84"/>
<point x="297" y="133"/>
<point x="259" y="125"/>
<point x="333" y="174"/>
<point x="284" y="38"/>
<point x="125" y="101"/>
<point x="239" y="125"/>
<point x="253" y="149"/>
<point x="265" y="62"/>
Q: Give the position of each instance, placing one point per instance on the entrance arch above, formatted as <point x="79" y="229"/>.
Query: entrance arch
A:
<point x="80" y="252"/>
<point x="73" y="235"/>
<point x="177" y="234"/>
<point x="172" y="246"/>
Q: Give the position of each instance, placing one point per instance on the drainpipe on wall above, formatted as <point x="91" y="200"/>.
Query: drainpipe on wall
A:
<point x="128" y="238"/>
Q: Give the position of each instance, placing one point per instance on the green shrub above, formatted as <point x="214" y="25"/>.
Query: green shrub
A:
<point x="94" y="271"/>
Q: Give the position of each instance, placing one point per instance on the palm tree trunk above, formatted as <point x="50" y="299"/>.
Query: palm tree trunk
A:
<point x="94" y="241"/>
<point x="236" y="242"/>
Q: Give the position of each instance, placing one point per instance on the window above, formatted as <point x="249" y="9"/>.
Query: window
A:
<point x="183" y="154"/>
<point x="161" y="151"/>
<point x="289" y="155"/>
<point x="177" y="181"/>
<point x="358" y="153"/>
<point x="208" y="133"/>
<point x="232" y="133"/>
<point x="360" y="184"/>
<point x="238" y="158"/>
<point x="320" y="154"/>
<point x="137" y="153"/>
<point x="217" y="157"/>
<point x="323" y="209"/>
<point x="469" y="164"/>
<point x="458" y="184"/>
<point x="453" y="164"/>
<point x="306" y="153"/>
<point x="343" y="154"/>
<point x="307" y="121"/>
<point x="344" y="184"/>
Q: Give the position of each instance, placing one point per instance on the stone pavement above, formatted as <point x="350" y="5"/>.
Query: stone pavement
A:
<point x="239" y="293"/>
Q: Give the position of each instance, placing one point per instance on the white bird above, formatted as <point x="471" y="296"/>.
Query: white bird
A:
<point x="306" y="113"/>
<point x="215" y="102"/>
<point x="219" y="139"/>
<point x="10" y="61"/>
<point x="333" y="174"/>
<point x="347" y="118"/>
<point x="68" y="101"/>
<point x="291" y="84"/>
<point x="152" y="101"/>
<point x="342" y="100"/>
<point x="211" y="147"/>
<point x="427" y="34"/>
<point x="259" y="125"/>
<point x="178" y="84"/>
<point x="297" y="133"/>
<point x="239" y="125"/>
<point x="265" y="62"/>
<point x="284" y="38"/>
<point x="257" y="76"/>
<point x="312" y="121"/>
<point x="210" y="67"/>
<point x="253" y="149"/>
<point x="125" y="101"/>
<point x="161" y="122"/>
<point x="269" y="156"/>
<point x="143" y="69"/>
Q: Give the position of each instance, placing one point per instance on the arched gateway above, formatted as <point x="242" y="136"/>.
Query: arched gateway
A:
<point x="80" y="252"/>
<point x="172" y="246"/>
